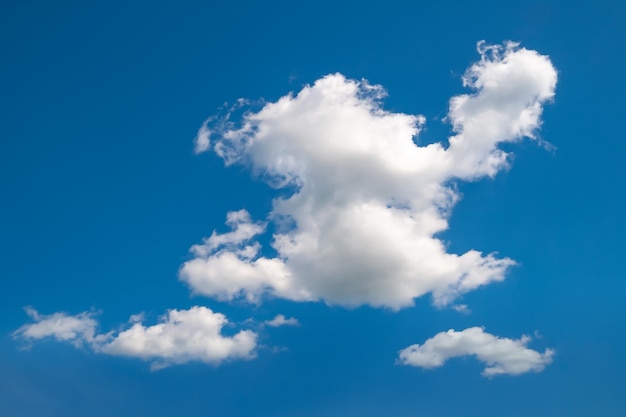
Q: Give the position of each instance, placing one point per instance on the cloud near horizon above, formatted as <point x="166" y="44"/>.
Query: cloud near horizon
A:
<point x="360" y="227"/>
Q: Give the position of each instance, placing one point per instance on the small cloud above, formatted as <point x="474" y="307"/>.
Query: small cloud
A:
<point x="203" y="138"/>
<point x="281" y="320"/>
<point x="550" y="147"/>
<point x="502" y="356"/>
<point x="244" y="229"/>
<point x="60" y="326"/>
<point x="275" y="349"/>
<point x="462" y="308"/>
<point x="136" y="318"/>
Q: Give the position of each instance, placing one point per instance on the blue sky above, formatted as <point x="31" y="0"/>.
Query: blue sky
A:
<point x="103" y="196"/>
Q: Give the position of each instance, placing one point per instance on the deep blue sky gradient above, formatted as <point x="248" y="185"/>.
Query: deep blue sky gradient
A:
<point x="101" y="197"/>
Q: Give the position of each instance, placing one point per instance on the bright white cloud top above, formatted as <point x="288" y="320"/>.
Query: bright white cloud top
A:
<point x="503" y="356"/>
<point x="181" y="336"/>
<point x="184" y="336"/>
<point x="360" y="227"/>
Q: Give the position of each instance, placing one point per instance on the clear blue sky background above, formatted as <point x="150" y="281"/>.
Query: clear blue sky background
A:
<point x="101" y="197"/>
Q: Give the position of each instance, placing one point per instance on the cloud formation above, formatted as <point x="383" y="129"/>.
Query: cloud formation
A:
<point x="76" y="329"/>
<point x="281" y="320"/>
<point x="181" y="336"/>
<point x="202" y="140"/>
<point x="501" y="355"/>
<point x="358" y="220"/>
<point x="361" y="225"/>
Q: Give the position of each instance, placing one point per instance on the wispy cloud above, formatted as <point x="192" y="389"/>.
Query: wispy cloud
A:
<point x="203" y="138"/>
<point x="281" y="320"/>
<point x="462" y="308"/>
<point x="78" y="329"/>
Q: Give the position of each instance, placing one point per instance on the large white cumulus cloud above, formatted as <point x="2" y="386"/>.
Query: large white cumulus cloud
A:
<point x="361" y="225"/>
<point x="503" y="356"/>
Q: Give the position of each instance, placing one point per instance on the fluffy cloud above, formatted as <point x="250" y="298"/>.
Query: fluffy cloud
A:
<point x="361" y="225"/>
<point x="181" y="336"/>
<point x="281" y="320"/>
<point x="243" y="231"/>
<point x="502" y="355"/>
<point x="358" y="221"/>
<point x="226" y="265"/>
<point x="60" y="326"/>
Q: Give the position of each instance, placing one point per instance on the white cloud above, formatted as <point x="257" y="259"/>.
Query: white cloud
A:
<point x="243" y="231"/>
<point x="136" y="318"/>
<point x="203" y="138"/>
<point x="462" y="308"/>
<point x="60" y="326"/>
<point x="502" y="355"/>
<point x="281" y="320"/>
<point x="361" y="226"/>
<point x="181" y="336"/>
